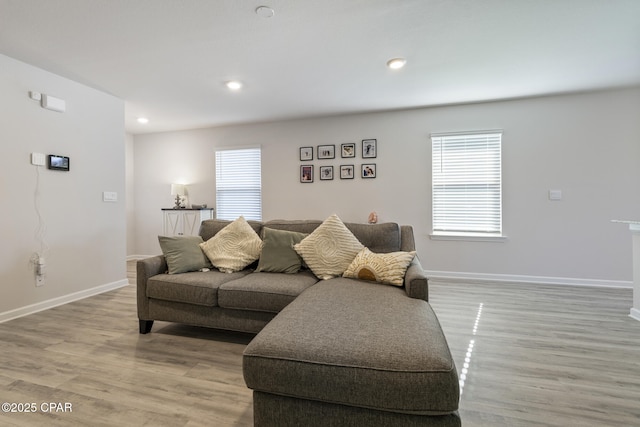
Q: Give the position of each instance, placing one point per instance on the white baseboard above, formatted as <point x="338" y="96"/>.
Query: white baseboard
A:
<point x="514" y="278"/>
<point x="634" y="313"/>
<point x="65" y="299"/>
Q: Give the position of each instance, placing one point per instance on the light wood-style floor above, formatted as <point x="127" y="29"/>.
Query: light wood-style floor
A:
<point x="536" y="356"/>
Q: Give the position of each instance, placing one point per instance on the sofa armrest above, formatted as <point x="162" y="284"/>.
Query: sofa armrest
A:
<point x="146" y="268"/>
<point x="415" y="281"/>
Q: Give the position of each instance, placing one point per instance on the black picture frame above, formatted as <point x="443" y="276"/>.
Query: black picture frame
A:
<point x="326" y="173"/>
<point x="368" y="170"/>
<point x="306" y="174"/>
<point x="327" y="151"/>
<point x="306" y="154"/>
<point x="347" y="171"/>
<point x="347" y="150"/>
<point x="369" y="148"/>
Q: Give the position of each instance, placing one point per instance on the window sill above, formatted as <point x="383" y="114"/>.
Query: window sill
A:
<point x="468" y="237"/>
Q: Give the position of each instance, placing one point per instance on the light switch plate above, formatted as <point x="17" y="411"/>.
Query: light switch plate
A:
<point x="109" y="196"/>
<point x="38" y="159"/>
<point x="555" y="194"/>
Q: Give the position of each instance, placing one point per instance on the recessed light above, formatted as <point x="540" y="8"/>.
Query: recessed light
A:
<point x="143" y="120"/>
<point x="396" y="63"/>
<point x="264" y="11"/>
<point x="234" y="84"/>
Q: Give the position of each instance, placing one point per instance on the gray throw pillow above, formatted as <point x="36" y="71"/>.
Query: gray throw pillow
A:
<point x="183" y="253"/>
<point x="278" y="255"/>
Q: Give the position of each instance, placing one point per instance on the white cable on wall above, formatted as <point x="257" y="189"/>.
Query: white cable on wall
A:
<point x="41" y="228"/>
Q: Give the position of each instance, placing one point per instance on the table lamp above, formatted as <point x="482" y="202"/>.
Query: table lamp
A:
<point x="177" y="190"/>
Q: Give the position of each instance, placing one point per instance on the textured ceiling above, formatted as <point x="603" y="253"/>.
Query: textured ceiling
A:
<point x="169" y="59"/>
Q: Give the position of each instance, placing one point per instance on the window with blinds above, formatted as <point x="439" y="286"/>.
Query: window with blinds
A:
<point x="467" y="183"/>
<point x="239" y="184"/>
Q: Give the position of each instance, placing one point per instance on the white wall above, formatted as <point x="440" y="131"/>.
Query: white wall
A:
<point x="130" y="194"/>
<point x="85" y="237"/>
<point x="587" y="145"/>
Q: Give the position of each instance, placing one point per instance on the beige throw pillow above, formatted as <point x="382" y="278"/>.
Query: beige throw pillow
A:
<point x="234" y="247"/>
<point x="329" y="249"/>
<point x="388" y="268"/>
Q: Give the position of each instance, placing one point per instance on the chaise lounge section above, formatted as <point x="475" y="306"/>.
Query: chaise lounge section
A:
<point x="343" y="355"/>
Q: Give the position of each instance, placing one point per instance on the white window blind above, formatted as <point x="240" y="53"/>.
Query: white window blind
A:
<point x="467" y="183"/>
<point x="238" y="184"/>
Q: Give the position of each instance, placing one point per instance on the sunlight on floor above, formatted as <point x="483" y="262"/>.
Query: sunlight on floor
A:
<point x="467" y="359"/>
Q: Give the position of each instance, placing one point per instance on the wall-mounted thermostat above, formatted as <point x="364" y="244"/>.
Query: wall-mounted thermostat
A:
<point x="58" y="163"/>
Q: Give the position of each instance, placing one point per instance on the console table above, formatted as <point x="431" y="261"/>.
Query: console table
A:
<point x="184" y="222"/>
<point x="634" y="227"/>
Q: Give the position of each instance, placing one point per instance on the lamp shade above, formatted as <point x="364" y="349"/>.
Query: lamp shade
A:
<point x="177" y="189"/>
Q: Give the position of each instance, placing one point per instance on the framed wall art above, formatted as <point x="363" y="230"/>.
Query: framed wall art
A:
<point x="326" y="173"/>
<point x="306" y="153"/>
<point x="347" y="150"/>
<point x="347" y="171"/>
<point x="368" y="170"/>
<point x="369" y="148"/>
<point x="326" y="151"/>
<point x="306" y="173"/>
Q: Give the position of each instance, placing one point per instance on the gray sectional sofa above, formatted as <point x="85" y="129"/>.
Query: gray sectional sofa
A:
<point x="337" y="352"/>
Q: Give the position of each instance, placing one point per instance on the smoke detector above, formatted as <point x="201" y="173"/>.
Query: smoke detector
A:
<point x="264" y="12"/>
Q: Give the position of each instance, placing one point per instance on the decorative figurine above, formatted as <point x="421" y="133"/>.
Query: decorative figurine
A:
<point x="373" y="218"/>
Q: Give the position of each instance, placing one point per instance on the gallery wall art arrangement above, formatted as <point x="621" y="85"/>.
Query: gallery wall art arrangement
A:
<point x="368" y="150"/>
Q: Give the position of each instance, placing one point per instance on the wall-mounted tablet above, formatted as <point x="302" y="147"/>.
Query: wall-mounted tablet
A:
<point x="58" y="163"/>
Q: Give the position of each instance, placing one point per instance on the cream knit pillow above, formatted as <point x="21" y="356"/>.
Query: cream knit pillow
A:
<point x="388" y="268"/>
<point x="234" y="247"/>
<point x="329" y="249"/>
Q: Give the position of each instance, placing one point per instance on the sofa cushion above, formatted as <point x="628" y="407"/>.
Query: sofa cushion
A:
<point x="278" y="255"/>
<point x="388" y="268"/>
<point x="200" y="287"/>
<point x="329" y="250"/>
<point x="183" y="253"/>
<point x="269" y="292"/>
<point x="297" y="225"/>
<point x="234" y="247"/>
<point x="379" y="238"/>
<point x="384" y="237"/>
<point x="344" y="341"/>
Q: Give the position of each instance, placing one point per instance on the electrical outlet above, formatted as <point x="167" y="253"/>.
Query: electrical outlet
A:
<point x="39" y="267"/>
